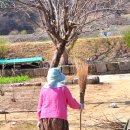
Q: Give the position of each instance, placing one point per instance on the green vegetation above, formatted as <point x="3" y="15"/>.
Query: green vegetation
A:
<point x="3" y="48"/>
<point x="124" y="28"/>
<point x="6" y="80"/>
<point x="127" y="38"/>
<point x="126" y="16"/>
<point x="23" y="32"/>
<point x="14" y="32"/>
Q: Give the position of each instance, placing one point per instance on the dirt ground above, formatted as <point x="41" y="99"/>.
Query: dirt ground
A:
<point x="98" y="99"/>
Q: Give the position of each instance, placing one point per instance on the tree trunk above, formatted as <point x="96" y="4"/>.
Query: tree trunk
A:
<point x="57" y="55"/>
<point x="64" y="58"/>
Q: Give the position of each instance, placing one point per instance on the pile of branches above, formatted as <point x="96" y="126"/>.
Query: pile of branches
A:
<point x="113" y="125"/>
<point x="106" y="124"/>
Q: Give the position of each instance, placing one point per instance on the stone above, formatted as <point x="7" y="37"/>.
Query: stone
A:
<point x="72" y="69"/>
<point x="66" y="82"/>
<point x="112" y="66"/>
<point x="124" y="65"/>
<point x="45" y="72"/>
<point x="2" y="93"/>
<point x="113" y="105"/>
<point x="101" y="68"/>
<point x="127" y="102"/>
<point x="65" y="69"/>
<point x="90" y="80"/>
<point x="91" y="68"/>
<point x="30" y="72"/>
<point x="13" y="123"/>
<point x="32" y="84"/>
<point x="75" y="81"/>
<point x="93" y="80"/>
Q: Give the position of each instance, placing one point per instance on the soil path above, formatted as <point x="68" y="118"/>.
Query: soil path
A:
<point x="98" y="99"/>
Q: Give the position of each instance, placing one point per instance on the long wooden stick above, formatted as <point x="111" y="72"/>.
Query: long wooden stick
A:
<point x="9" y="112"/>
<point x="82" y="72"/>
<point x="81" y="119"/>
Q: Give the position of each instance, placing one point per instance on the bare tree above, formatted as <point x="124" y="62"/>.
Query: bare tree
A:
<point x="65" y="20"/>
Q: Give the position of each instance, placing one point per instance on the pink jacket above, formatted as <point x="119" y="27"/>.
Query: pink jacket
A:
<point x="53" y="103"/>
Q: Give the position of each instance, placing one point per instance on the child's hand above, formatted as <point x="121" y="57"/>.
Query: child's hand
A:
<point x="81" y="105"/>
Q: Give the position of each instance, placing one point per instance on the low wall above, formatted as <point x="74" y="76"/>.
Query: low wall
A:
<point x="98" y="68"/>
<point x="30" y="72"/>
<point x="101" y="68"/>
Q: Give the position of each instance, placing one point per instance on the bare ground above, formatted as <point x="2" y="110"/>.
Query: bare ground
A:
<point x="97" y="112"/>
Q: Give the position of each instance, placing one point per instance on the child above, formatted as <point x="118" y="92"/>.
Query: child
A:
<point x="53" y="101"/>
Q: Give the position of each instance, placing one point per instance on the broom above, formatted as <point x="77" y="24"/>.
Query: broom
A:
<point x="82" y="73"/>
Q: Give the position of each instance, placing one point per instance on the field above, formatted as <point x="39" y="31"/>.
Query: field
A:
<point x="97" y="115"/>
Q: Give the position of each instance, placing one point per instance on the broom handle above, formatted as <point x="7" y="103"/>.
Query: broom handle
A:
<point x="82" y="97"/>
<point x="82" y="102"/>
<point x="80" y="119"/>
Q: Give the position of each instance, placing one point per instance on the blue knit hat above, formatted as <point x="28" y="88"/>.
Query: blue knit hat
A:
<point x="54" y="77"/>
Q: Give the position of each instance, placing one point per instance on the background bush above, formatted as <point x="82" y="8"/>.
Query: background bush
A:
<point x="14" y="32"/>
<point x="3" y="48"/>
<point x="23" y="32"/>
<point x="127" y="38"/>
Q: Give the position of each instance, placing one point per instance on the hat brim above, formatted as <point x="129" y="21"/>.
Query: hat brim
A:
<point x="62" y="77"/>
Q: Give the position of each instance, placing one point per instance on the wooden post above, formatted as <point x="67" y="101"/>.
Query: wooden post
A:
<point x="3" y="66"/>
<point x="5" y="117"/>
<point x="14" y="70"/>
<point x="82" y="72"/>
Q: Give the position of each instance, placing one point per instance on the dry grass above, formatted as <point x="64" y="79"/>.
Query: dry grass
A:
<point x="82" y="73"/>
<point x="84" y="48"/>
<point x="25" y="126"/>
<point x="111" y="125"/>
<point x="3" y="48"/>
<point x="31" y="49"/>
<point x="107" y="125"/>
<point x="100" y="48"/>
<point x="104" y="125"/>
